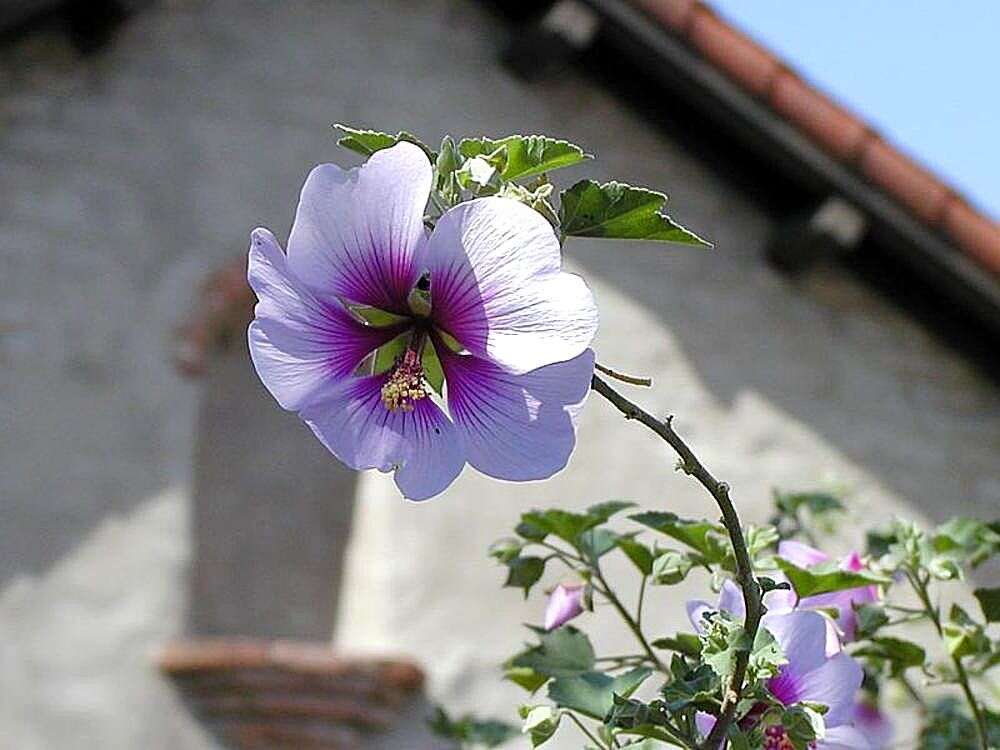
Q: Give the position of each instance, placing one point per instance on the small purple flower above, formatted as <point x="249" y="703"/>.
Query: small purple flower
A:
<point x="565" y="603"/>
<point x="844" y="601"/>
<point x="810" y="675"/>
<point x="874" y="724"/>
<point x="481" y="300"/>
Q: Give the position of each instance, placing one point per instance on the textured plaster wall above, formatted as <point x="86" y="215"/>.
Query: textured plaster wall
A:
<point x="125" y="177"/>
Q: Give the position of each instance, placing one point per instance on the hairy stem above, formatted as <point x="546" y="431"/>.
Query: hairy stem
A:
<point x="690" y="464"/>
<point x="934" y="614"/>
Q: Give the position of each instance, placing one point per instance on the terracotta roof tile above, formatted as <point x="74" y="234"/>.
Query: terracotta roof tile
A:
<point x="911" y="184"/>
<point x="841" y="133"/>
<point x="676" y="14"/>
<point x="976" y="233"/>
<point x="733" y="51"/>
<point x="829" y="124"/>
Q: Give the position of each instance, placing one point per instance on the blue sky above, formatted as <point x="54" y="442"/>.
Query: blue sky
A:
<point x="926" y="74"/>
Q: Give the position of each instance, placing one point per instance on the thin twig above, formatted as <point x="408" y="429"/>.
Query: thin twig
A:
<point x="690" y="464"/>
<point x="584" y="729"/>
<point x="630" y="379"/>
<point x="934" y="614"/>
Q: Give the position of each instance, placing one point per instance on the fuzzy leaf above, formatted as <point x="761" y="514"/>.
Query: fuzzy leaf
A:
<point x="901" y="654"/>
<point x="564" y="652"/>
<point x="367" y="142"/>
<point x="524" y="572"/>
<point x="525" y="155"/>
<point x="614" y="210"/>
<point x="707" y="538"/>
<point x="640" y="555"/>
<point x="683" y="643"/>
<point x="471" y="730"/>
<point x="592" y="693"/>
<point x="989" y="601"/>
<point x="826" y="578"/>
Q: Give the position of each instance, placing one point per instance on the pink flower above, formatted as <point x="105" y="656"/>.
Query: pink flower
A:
<point x="805" y="556"/>
<point x="565" y="603"/>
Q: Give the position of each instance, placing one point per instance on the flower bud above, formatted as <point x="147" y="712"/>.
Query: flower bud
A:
<point x="565" y="603"/>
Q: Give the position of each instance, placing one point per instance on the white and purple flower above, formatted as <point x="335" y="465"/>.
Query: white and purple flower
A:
<point x="481" y="299"/>
<point x="810" y="675"/>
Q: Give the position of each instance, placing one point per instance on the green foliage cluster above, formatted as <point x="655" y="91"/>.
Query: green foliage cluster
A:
<point x="518" y="167"/>
<point x="682" y="674"/>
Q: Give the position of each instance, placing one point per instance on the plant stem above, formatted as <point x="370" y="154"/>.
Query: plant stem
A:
<point x="934" y="614"/>
<point x="584" y="729"/>
<point x="608" y="594"/>
<point x="642" y="598"/>
<point x="630" y="379"/>
<point x="690" y="464"/>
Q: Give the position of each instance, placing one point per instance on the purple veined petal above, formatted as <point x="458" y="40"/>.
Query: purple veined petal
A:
<point x="421" y="445"/>
<point x="875" y="725"/>
<point x="516" y="427"/>
<point x="802" y="637"/>
<point x="696" y="611"/>
<point x="300" y="347"/>
<point x="497" y="287"/>
<point x="834" y="683"/>
<point x="801" y="554"/>
<point x="731" y="600"/>
<point x="359" y="234"/>
<point x="846" y="737"/>
<point x="705" y="723"/>
<point x="565" y="603"/>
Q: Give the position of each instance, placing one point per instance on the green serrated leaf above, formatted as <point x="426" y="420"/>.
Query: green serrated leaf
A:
<point x="901" y="654"/>
<point x="526" y="678"/>
<point x="870" y="617"/>
<point x="367" y="142"/>
<point x="540" y="723"/>
<point x="524" y="572"/>
<point x="564" y="524"/>
<point x="595" y="543"/>
<point x="803" y="726"/>
<point x="525" y="155"/>
<point x="640" y="555"/>
<point x="963" y="636"/>
<point x="683" y="643"/>
<point x="563" y="652"/>
<point x="827" y="578"/>
<point x="470" y="730"/>
<point x="966" y="540"/>
<point x="723" y="640"/>
<point x="505" y="550"/>
<point x="707" y="538"/>
<point x="695" y="688"/>
<point x="817" y="503"/>
<point x="614" y="210"/>
<point x="607" y="509"/>
<point x="671" y="567"/>
<point x="592" y="693"/>
<point x="989" y="601"/>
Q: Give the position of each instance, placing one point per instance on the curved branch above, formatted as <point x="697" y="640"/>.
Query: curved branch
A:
<point x="690" y="465"/>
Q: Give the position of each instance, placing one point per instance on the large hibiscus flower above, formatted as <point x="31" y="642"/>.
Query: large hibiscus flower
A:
<point x="358" y="322"/>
